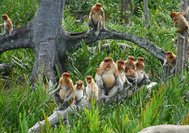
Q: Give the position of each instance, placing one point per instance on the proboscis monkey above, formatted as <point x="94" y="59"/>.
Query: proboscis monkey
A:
<point x="64" y="94"/>
<point x="96" y="18"/>
<point x="7" y="26"/>
<point x="108" y="78"/>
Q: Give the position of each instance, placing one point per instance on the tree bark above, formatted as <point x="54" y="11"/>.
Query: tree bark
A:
<point x="63" y="114"/>
<point x="146" y="12"/>
<point x="182" y="44"/>
<point x="45" y="35"/>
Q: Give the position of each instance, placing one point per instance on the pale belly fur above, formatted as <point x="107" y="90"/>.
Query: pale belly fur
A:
<point x="96" y="18"/>
<point x="122" y="75"/>
<point x="63" y="93"/>
<point x="109" y="80"/>
<point x="78" y="94"/>
<point x="140" y="76"/>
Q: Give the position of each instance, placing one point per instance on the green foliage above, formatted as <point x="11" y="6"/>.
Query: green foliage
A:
<point x="19" y="11"/>
<point x="21" y="108"/>
<point x="21" y="60"/>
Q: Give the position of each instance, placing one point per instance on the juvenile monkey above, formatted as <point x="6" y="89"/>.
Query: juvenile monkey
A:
<point x="170" y="60"/>
<point x="142" y="77"/>
<point x="79" y="95"/>
<point x="130" y="62"/>
<point x="108" y="78"/>
<point x="121" y="69"/>
<point x="7" y="26"/>
<point x="91" y="89"/>
<point x="180" y="21"/>
<point x="131" y="75"/>
<point x="64" y="94"/>
<point x="96" y="18"/>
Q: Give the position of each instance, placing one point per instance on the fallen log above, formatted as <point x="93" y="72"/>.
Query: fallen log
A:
<point x="63" y="114"/>
<point x="166" y="129"/>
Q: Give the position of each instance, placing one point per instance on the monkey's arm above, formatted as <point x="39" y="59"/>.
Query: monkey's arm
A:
<point x="118" y="80"/>
<point x="127" y="81"/>
<point x="90" y="21"/>
<point x="54" y="91"/>
<point x="98" y="78"/>
<point x="66" y="103"/>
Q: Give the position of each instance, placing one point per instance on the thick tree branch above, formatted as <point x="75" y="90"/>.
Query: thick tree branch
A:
<point x="112" y="34"/>
<point x="19" y="39"/>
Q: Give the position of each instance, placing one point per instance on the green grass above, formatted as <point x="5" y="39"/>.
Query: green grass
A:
<point x="166" y="104"/>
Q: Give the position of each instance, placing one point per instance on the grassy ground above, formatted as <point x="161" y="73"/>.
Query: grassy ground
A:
<point x="20" y="108"/>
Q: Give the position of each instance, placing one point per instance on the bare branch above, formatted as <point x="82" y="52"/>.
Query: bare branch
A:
<point x="112" y="34"/>
<point x="19" y="39"/>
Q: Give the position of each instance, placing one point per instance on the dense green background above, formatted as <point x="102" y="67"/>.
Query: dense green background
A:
<point x="20" y="108"/>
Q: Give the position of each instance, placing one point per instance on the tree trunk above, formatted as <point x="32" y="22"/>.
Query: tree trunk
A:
<point x="182" y="44"/>
<point x="147" y="17"/>
<point x="45" y="35"/>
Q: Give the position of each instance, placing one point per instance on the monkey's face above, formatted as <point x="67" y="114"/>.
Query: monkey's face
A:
<point x="169" y="54"/>
<point x="141" y="62"/>
<point x="107" y="65"/>
<point x="67" y="79"/>
<point x="173" y="14"/>
<point x="131" y="60"/>
<point x="89" y="80"/>
<point x="79" y="86"/>
<point x="121" y="65"/>
<point x="4" y="17"/>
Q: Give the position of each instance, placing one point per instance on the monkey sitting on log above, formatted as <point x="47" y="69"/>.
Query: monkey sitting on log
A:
<point x="142" y="77"/>
<point x="64" y="94"/>
<point x="96" y="19"/>
<point x="108" y="78"/>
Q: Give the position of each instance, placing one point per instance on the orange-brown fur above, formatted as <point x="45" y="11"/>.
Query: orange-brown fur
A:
<point x="139" y="63"/>
<point x="96" y="13"/>
<point x="108" y="67"/>
<point x="7" y="26"/>
<point x="130" y="73"/>
<point x="120" y="65"/>
<point x="65" y="81"/>
<point x="92" y="86"/>
<point x="179" y="21"/>
<point x="130" y="62"/>
<point x="96" y="19"/>
<point x="170" y="57"/>
<point x="79" y="85"/>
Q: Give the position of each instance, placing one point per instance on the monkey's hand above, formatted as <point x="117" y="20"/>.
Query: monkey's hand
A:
<point x="66" y="103"/>
<point x="130" y="84"/>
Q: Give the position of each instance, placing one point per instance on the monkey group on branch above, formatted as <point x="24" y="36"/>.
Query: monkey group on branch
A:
<point x="111" y="78"/>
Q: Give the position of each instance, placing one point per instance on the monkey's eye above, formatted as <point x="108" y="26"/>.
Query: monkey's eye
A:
<point x="79" y="84"/>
